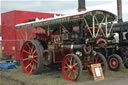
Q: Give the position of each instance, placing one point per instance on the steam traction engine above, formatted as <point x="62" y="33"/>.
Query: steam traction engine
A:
<point x="118" y="48"/>
<point x="70" y="40"/>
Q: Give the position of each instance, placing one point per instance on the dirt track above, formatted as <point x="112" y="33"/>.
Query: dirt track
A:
<point x="54" y="77"/>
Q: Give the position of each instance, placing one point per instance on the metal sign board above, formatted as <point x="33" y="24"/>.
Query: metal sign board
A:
<point x="97" y="72"/>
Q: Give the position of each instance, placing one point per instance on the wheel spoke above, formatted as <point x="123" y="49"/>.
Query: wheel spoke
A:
<point x="34" y="65"/>
<point x="34" y="52"/>
<point x="76" y="67"/>
<point x="75" y="75"/>
<point x="35" y="61"/>
<point x="32" y="68"/>
<point x="32" y="49"/>
<point x="74" y="61"/>
<point x="34" y="56"/>
<point x="68" y="60"/>
<point x="25" y="59"/>
<point x="28" y="65"/>
<point x="29" y="47"/>
<point x="96" y="60"/>
<point x="66" y="63"/>
<point x="75" y="72"/>
<point x="26" y="52"/>
<point x="70" y="74"/>
<point x="97" y="57"/>
<point x="66" y="66"/>
<point x="71" y="61"/>
<point x="75" y="64"/>
<point x="68" y="71"/>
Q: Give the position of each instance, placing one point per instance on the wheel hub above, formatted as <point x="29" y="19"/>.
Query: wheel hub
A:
<point x="70" y="66"/>
<point x="114" y="63"/>
<point x="30" y="57"/>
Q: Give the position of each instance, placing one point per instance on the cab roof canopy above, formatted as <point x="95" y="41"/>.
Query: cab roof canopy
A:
<point x="99" y="14"/>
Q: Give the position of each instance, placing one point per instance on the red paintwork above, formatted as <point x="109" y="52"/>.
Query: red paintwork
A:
<point x="28" y="66"/>
<point x="113" y="62"/>
<point x="15" y="38"/>
<point x="73" y="68"/>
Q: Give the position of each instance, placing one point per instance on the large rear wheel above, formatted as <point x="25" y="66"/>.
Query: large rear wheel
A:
<point x="32" y="57"/>
<point x="97" y="58"/>
<point x="71" y="67"/>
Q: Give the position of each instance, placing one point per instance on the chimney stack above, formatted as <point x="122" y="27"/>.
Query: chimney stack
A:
<point x="81" y="5"/>
<point x="119" y="11"/>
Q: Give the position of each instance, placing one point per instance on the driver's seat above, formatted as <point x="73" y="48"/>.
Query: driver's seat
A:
<point x="125" y="42"/>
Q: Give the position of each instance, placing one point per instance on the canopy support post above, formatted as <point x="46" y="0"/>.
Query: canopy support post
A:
<point x="100" y="27"/>
<point x="110" y="30"/>
<point x="93" y="26"/>
<point x="48" y="30"/>
<point x="27" y="34"/>
<point x="88" y="27"/>
<point x="106" y="26"/>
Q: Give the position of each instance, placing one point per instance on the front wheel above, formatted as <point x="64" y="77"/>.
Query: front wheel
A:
<point x="71" y="67"/>
<point x="115" y="62"/>
<point x="97" y="58"/>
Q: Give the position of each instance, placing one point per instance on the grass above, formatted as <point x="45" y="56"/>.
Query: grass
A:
<point x="54" y="77"/>
<point x="48" y="77"/>
<point x="3" y="83"/>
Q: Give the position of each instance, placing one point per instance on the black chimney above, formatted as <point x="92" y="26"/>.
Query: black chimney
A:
<point x="119" y="11"/>
<point x="81" y="5"/>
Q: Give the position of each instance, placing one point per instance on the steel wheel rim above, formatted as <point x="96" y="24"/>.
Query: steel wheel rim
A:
<point x="70" y="68"/>
<point x="113" y="62"/>
<point x="29" y="57"/>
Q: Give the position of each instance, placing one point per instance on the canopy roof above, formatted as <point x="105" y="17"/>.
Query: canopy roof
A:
<point x="70" y="18"/>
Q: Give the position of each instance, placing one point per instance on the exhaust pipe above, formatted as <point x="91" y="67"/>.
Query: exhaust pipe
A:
<point x="81" y="5"/>
<point x="119" y="11"/>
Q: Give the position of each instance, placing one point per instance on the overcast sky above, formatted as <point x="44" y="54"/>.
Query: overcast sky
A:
<point x="61" y="6"/>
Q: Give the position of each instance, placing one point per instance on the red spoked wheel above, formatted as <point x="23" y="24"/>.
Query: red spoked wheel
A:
<point x="97" y="58"/>
<point x="115" y="62"/>
<point x="31" y="57"/>
<point x="71" y="67"/>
